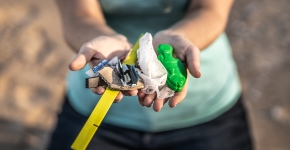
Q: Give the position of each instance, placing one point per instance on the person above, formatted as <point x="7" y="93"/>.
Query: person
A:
<point x="206" y="115"/>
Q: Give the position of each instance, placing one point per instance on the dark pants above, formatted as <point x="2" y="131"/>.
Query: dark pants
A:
<point x="229" y="131"/>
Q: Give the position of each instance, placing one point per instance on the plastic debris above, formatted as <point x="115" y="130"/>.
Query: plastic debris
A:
<point x="112" y="63"/>
<point x="94" y="71"/>
<point x="176" y="72"/>
<point x="153" y="72"/>
<point x="150" y="75"/>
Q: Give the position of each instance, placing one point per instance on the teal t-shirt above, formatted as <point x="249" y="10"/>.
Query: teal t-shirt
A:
<point x="207" y="97"/>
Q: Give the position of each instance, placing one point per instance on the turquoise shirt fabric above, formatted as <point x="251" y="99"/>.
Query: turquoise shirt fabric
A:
<point x="208" y="97"/>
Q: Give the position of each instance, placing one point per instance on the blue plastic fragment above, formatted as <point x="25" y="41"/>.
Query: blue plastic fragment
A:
<point x="100" y="66"/>
<point x="135" y="72"/>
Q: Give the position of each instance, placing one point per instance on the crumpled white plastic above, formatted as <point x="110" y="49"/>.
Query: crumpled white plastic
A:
<point x="112" y="63"/>
<point x="153" y="72"/>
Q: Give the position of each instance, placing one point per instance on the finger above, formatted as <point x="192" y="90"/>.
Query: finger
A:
<point x="119" y="97"/>
<point x="98" y="90"/>
<point x="141" y="96"/>
<point x="94" y="90"/>
<point x="159" y="103"/>
<point x="193" y="60"/>
<point x="130" y="92"/>
<point x="83" y="57"/>
<point x="178" y="96"/>
<point x="148" y="100"/>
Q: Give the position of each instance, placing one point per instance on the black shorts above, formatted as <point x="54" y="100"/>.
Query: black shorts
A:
<point x="229" y="131"/>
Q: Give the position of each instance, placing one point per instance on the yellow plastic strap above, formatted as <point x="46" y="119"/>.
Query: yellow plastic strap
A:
<point x="131" y="59"/>
<point x="95" y="119"/>
<point x="101" y="109"/>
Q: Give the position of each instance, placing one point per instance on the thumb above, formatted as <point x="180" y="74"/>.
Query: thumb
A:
<point x="83" y="57"/>
<point x="193" y="61"/>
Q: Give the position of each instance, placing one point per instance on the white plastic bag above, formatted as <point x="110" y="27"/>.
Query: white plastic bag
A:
<point x="153" y="72"/>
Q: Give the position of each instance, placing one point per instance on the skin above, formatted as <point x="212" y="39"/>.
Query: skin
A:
<point x="86" y="32"/>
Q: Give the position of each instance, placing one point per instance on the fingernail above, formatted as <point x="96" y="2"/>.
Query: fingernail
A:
<point x="149" y="106"/>
<point x="174" y="106"/>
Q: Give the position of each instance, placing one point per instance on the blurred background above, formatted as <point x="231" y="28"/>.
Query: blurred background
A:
<point x="34" y="59"/>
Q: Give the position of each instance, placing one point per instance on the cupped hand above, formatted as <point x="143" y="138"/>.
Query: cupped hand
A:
<point x="98" y="49"/>
<point x="184" y="50"/>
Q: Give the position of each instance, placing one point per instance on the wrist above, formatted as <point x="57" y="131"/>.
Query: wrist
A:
<point x="173" y="32"/>
<point x="168" y="36"/>
<point x="119" y="36"/>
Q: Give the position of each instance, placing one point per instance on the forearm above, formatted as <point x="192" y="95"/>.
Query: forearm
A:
<point x="82" y="21"/>
<point x="82" y="30"/>
<point x="202" y="26"/>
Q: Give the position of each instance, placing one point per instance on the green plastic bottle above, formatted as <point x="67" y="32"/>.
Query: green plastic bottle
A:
<point x="176" y="72"/>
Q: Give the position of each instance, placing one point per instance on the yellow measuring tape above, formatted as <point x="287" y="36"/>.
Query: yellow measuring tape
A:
<point x="101" y="109"/>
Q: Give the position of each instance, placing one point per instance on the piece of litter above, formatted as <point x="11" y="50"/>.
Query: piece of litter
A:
<point x="112" y="63"/>
<point x="153" y="72"/>
<point x="94" y="71"/>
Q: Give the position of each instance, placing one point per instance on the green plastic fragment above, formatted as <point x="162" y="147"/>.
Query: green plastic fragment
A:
<point x="176" y="72"/>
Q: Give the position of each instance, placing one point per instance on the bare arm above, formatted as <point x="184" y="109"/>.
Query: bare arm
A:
<point x="82" y="21"/>
<point x="204" y="22"/>
<point x="86" y="32"/>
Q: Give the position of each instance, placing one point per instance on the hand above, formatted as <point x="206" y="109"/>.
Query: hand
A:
<point x="98" y="49"/>
<point x="184" y="50"/>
